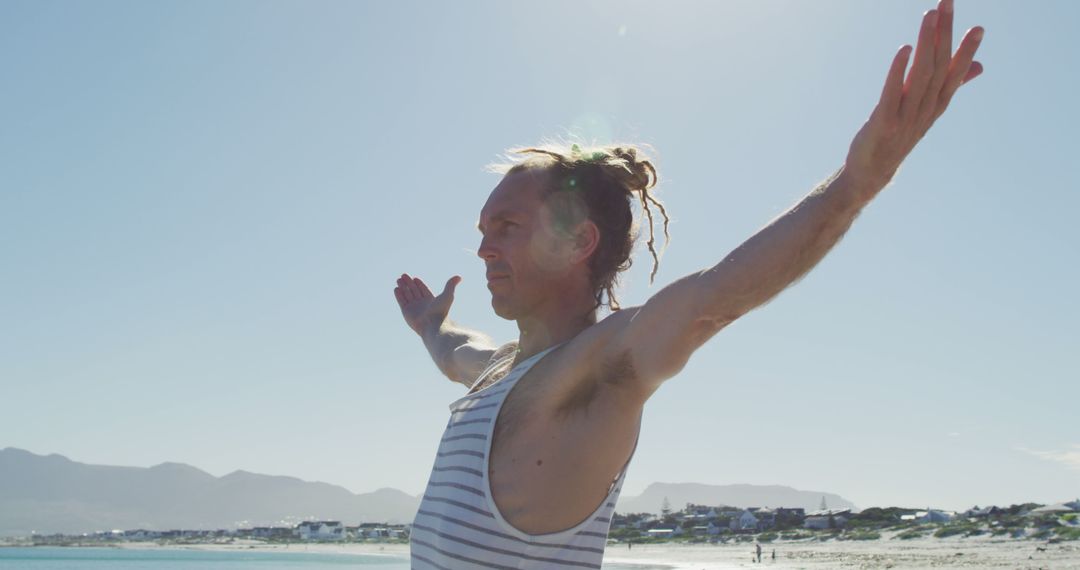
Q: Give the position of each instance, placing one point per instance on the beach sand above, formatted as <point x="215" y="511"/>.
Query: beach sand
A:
<point x="975" y="552"/>
<point x="920" y="553"/>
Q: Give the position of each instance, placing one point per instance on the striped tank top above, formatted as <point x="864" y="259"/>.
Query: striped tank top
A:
<point x="458" y="525"/>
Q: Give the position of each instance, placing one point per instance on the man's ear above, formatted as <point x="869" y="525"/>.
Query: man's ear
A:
<point x="586" y="240"/>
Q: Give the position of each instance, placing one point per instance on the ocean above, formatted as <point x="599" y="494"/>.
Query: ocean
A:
<point x="49" y="558"/>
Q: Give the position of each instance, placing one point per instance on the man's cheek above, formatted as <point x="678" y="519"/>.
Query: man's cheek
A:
<point x="545" y="254"/>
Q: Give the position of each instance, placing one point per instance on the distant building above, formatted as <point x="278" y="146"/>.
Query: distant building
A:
<point x="379" y="530"/>
<point x="272" y="532"/>
<point x="141" y="534"/>
<point x="320" y="530"/>
<point x="932" y="516"/>
<point x="744" y="521"/>
<point x="798" y="513"/>
<point x="766" y="517"/>
<point x="702" y="512"/>
<point x="1059" y="508"/>
<point x="975" y="512"/>
<point x="643" y="522"/>
<point x="827" y="518"/>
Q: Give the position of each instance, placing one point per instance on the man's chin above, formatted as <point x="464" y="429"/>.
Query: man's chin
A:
<point x="502" y="309"/>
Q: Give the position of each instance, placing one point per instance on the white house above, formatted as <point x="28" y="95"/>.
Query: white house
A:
<point x="821" y="519"/>
<point x="320" y="530"/>
<point x="745" y="521"/>
<point x="1056" y="509"/>
<point x="377" y="532"/>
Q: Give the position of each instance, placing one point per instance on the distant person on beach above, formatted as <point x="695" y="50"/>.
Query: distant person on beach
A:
<point x="757" y="547"/>
<point x="533" y="456"/>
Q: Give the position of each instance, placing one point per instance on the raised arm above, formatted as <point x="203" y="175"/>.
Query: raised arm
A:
<point x="460" y="354"/>
<point x="659" y="337"/>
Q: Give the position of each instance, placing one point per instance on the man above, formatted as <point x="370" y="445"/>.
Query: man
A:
<point x="531" y="463"/>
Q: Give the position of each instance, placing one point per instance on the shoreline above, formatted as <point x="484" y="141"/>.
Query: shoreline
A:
<point x="886" y="552"/>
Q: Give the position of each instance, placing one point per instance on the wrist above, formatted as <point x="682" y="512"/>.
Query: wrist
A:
<point x="859" y="188"/>
<point x="431" y="329"/>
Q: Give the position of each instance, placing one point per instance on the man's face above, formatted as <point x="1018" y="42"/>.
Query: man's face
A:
<point x="527" y="260"/>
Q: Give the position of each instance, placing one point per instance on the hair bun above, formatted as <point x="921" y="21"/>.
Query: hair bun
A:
<point x="640" y="174"/>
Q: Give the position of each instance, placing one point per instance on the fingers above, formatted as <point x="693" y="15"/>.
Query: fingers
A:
<point x="963" y="67"/>
<point x="974" y="71"/>
<point x="894" y="83"/>
<point x="922" y="69"/>
<point x="451" y="285"/>
<point x="423" y="288"/>
<point x="408" y="287"/>
<point x="942" y="57"/>
<point x="400" y="291"/>
<point x="413" y="288"/>
<point x="944" y="34"/>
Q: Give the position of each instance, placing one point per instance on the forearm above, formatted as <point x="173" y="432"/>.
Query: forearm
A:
<point x="442" y="340"/>
<point x="785" y="249"/>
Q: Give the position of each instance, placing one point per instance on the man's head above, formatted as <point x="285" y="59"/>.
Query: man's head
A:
<point x="560" y="223"/>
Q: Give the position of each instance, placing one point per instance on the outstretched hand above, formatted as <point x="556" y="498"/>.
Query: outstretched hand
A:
<point x="908" y="107"/>
<point x="419" y="306"/>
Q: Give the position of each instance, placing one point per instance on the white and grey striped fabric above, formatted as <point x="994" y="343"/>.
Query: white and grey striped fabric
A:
<point x="458" y="525"/>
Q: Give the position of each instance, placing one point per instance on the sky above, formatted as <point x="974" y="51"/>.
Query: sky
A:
<point x="204" y="207"/>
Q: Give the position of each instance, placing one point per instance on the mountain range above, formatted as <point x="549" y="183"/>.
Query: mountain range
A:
<point x="52" y="494"/>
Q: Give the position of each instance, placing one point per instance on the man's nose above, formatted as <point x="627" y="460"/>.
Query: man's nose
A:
<point x="487" y="249"/>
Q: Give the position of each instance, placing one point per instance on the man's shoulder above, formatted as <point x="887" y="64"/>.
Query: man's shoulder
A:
<point x="598" y="337"/>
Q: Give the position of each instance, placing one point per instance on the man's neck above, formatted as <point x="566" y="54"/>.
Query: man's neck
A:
<point x="538" y="332"/>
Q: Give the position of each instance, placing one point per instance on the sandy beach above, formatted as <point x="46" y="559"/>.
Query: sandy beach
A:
<point x="973" y="552"/>
<point x="882" y="553"/>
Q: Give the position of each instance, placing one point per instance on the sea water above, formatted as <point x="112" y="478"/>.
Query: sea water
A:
<point x="58" y="558"/>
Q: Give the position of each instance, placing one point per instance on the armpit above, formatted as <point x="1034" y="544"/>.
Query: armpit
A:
<point x="616" y="374"/>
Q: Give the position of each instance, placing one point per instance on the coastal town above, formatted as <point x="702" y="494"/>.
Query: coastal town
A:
<point x="692" y="524"/>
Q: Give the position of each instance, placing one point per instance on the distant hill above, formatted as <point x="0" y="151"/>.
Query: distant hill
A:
<point x="52" y="494"/>
<point x="742" y="496"/>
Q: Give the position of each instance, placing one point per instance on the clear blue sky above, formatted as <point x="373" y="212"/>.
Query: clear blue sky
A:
<point x="204" y="207"/>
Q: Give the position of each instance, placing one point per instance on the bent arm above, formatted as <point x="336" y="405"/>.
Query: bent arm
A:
<point x="461" y="354"/>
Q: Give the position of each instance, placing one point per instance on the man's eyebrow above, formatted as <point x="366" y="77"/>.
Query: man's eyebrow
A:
<point x="498" y="216"/>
